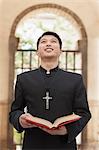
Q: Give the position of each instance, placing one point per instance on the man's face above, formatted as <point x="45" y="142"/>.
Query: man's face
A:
<point x="48" y="47"/>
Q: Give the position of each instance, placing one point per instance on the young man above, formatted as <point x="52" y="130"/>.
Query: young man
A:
<point x="67" y="95"/>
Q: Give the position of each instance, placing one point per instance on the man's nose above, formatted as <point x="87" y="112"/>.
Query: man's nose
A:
<point x="48" y="44"/>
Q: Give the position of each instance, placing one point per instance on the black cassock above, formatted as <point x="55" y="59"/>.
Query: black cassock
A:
<point x="67" y="94"/>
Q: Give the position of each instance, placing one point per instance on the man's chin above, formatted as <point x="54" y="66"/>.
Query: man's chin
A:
<point x="48" y="57"/>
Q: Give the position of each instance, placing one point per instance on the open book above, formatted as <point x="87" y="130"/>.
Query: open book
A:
<point x="39" y="122"/>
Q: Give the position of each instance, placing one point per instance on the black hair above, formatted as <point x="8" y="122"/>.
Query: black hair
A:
<point x="50" y="33"/>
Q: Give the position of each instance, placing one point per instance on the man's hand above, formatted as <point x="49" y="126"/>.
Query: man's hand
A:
<point x="60" y="131"/>
<point x="23" y="122"/>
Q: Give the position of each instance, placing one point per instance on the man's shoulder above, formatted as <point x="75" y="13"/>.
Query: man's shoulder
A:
<point x="71" y="74"/>
<point x="71" y="77"/>
<point x="27" y="73"/>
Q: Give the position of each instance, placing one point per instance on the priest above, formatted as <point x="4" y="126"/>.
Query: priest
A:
<point x="49" y="92"/>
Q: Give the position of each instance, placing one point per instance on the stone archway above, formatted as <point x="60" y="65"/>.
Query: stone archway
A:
<point x="13" y="44"/>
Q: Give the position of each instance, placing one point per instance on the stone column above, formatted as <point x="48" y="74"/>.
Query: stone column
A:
<point x="93" y="89"/>
<point x="4" y="73"/>
<point x="6" y="91"/>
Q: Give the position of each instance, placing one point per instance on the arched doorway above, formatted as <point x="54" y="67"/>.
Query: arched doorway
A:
<point x="67" y="53"/>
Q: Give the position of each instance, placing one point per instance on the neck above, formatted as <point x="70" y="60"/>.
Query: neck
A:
<point x="49" y="65"/>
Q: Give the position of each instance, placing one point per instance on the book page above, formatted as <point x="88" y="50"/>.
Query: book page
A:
<point x="64" y="119"/>
<point x="39" y="122"/>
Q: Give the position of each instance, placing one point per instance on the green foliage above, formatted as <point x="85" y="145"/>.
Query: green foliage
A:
<point x="18" y="137"/>
<point x="32" y="28"/>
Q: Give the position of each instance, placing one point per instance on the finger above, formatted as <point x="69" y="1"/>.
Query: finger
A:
<point x="23" y="116"/>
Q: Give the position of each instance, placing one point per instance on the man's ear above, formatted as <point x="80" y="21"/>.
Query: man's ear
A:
<point x="60" y="51"/>
<point x="37" y="53"/>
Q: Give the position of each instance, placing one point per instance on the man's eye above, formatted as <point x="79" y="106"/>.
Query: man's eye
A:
<point x="43" y="41"/>
<point x="53" y="41"/>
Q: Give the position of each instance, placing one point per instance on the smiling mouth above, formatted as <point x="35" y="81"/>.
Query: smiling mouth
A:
<point x="49" y="49"/>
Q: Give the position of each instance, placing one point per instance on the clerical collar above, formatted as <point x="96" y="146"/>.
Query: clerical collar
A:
<point x="49" y="72"/>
